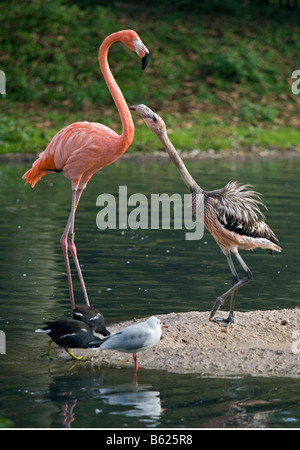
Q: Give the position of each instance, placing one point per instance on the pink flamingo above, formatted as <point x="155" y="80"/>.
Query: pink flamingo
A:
<point x="82" y="148"/>
<point x="231" y="215"/>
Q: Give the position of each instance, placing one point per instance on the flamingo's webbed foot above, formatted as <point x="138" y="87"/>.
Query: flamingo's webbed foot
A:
<point x="224" y="322"/>
<point x="218" y="303"/>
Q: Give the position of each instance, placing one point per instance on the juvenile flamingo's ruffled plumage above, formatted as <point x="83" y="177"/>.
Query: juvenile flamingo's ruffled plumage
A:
<point x="231" y="214"/>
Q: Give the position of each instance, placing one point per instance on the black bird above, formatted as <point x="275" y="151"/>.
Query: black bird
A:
<point x="92" y="317"/>
<point x="69" y="333"/>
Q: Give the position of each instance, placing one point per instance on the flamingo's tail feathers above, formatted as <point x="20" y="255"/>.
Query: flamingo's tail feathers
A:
<point x="33" y="175"/>
<point x="275" y="248"/>
<point x="40" y="168"/>
<point x="252" y="243"/>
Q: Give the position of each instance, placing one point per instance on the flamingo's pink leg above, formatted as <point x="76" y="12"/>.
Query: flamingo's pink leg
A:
<point x="64" y="246"/>
<point x="73" y="252"/>
<point x="76" y="194"/>
<point x="75" y="200"/>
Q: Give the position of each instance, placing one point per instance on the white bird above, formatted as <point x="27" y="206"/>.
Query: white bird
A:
<point x="134" y="338"/>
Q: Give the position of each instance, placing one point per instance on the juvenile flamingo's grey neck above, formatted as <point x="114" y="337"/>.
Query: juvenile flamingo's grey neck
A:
<point x="185" y="174"/>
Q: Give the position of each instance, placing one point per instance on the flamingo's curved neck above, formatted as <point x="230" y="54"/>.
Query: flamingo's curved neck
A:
<point x="175" y="158"/>
<point x="116" y="93"/>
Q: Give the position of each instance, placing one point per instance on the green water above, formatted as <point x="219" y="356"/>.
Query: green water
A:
<point x="136" y="273"/>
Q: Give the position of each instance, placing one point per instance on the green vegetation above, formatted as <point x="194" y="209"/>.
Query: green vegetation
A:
<point x="219" y="75"/>
<point x="5" y="423"/>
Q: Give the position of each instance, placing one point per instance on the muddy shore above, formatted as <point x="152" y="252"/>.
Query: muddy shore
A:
<point x="259" y="343"/>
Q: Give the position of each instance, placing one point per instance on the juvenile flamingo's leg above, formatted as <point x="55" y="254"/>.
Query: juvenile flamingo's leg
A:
<point x="236" y="284"/>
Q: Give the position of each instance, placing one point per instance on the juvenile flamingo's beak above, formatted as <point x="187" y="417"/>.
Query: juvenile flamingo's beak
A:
<point x="144" y="111"/>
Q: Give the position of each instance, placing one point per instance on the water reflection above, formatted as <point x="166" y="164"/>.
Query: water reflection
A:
<point x="107" y="396"/>
<point x="137" y="401"/>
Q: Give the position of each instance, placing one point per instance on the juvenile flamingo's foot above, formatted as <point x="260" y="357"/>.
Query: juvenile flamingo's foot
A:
<point x="221" y="322"/>
<point x="218" y="303"/>
<point x="224" y="322"/>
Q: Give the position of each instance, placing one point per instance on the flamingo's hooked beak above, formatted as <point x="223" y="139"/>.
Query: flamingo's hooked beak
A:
<point x="145" y="60"/>
<point x="144" y="111"/>
<point x="142" y="51"/>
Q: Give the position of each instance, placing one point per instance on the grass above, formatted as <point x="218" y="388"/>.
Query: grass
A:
<point x="220" y="76"/>
<point x="206" y="136"/>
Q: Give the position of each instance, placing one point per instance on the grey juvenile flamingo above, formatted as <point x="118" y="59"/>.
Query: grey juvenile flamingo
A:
<point x="231" y="215"/>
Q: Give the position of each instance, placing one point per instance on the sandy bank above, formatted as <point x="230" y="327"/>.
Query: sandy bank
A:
<point x="259" y="343"/>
